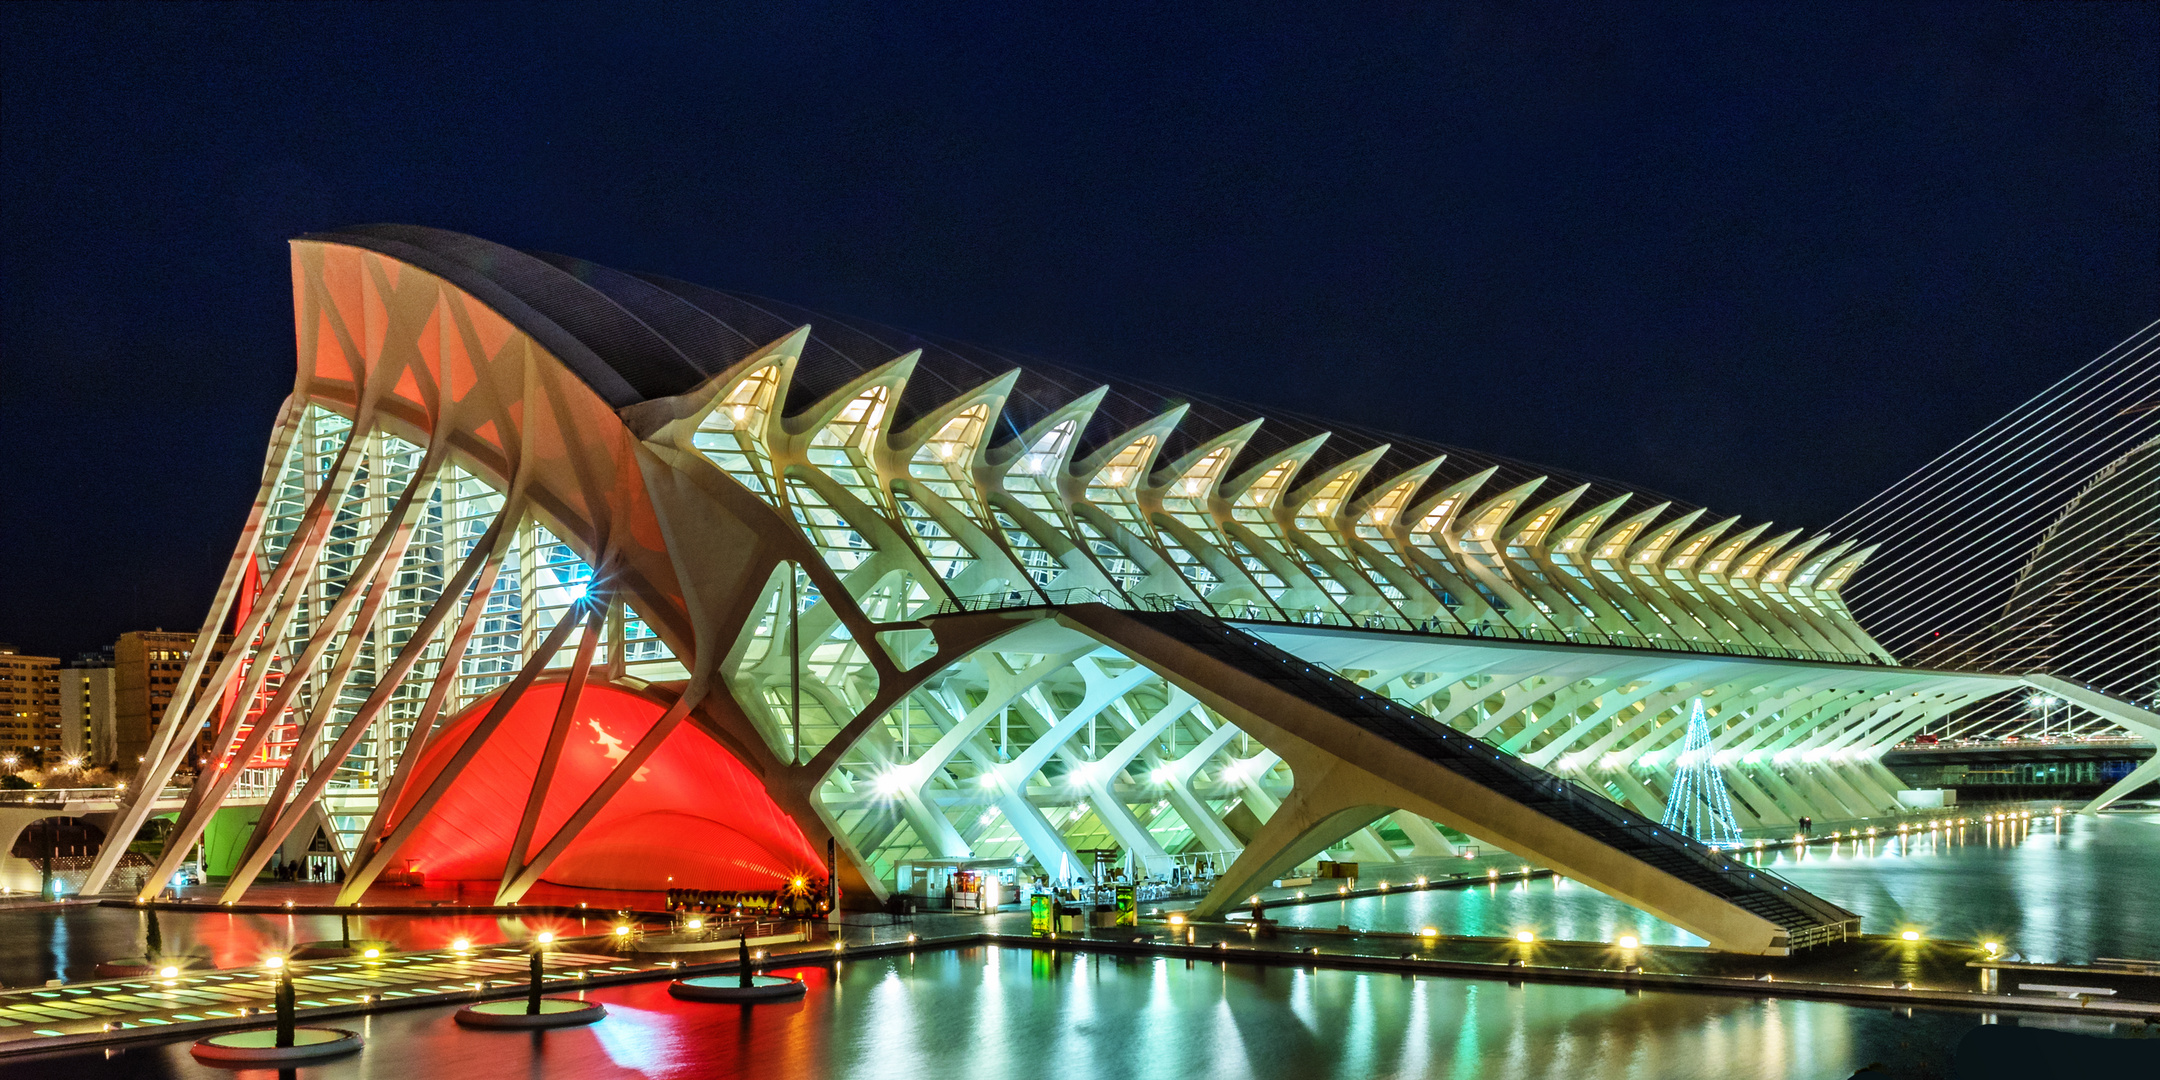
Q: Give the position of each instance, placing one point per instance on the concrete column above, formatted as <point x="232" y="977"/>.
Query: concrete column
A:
<point x="1646" y="801"/>
<point x="1857" y="775"/>
<point x="1319" y="811"/>
<point x="1367" y="847"/>
<point x="2139" y="777"/>
<point x="1198" y="817"/>
<point x="1767" y="811"/>
<point x="1840" y="783"/>
<point x="1821" y="796"/>
<point x="1789" y="800"/>
<point x="1134" y="836"/>
<point x="1201" y="820"/>
<point x="931" y="825"/>
<point x="1425" y="839"/>
<point x="1043" y="840"/>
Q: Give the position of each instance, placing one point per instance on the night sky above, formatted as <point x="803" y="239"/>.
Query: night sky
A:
<point x="1768" y="258"/>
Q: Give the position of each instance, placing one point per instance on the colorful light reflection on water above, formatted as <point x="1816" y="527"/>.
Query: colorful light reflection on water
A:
<point x="1014" y="1013"/>
<point x="69" y="943"/>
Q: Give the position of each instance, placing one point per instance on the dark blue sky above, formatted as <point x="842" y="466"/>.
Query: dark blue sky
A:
<point x="1764" y="257"/>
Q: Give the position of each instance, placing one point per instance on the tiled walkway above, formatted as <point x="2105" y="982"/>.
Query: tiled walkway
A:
<point x="121" y="1004"/>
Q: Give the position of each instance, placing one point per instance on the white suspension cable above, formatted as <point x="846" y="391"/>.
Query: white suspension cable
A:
<point x="2032" y="544"/>
<point x="1859" y="515"/>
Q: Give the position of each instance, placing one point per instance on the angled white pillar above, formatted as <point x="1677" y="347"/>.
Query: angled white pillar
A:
<point x="1119" y="819"/>
<point x="1767" y="810"/>
<point x="2144" y="774"/>
<point x="368" y="865"/>
<point x="485" y="560"/>
<point x="206" y="799"/>
<point x="183" y="711"/>
<point x="2143" y="721"/>
<point x="1102" y="773"/>
<point x="1190" y="807"/>
<point x="1425" y="839"/>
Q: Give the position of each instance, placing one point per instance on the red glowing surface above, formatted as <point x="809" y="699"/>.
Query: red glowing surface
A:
<point x="694" y="817"/>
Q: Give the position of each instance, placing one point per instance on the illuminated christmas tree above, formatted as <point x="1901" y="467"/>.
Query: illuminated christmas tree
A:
<point x="1699" y="807"/>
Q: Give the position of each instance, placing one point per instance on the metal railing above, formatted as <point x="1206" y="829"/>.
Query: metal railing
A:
<point x="2024" y="742"/>
<point x="1253" y="611"/>
<point x="49" y="796"/>
<point x="64" y="796"/>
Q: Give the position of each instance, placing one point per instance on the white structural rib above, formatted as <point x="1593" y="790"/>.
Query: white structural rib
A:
<point x="823" y="569"/>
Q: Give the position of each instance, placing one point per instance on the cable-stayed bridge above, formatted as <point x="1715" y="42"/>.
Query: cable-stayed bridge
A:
<point x="2033" y="547"/>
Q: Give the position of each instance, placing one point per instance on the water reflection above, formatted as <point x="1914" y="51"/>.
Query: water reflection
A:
<point x="2062" y="889"/>
<point x="2052" y="888"/>
<point x="1008" y="1013"/>
<point x="69" y="943"/>
<point x="1551" y="908"/>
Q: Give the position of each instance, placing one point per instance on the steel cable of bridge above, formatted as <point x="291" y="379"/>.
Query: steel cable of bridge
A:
<point x="1942" y="489"/>
<point x="1928" y="521"/>
<point x="1981" y="548"/>
<point x="1937" y="473"/>
<point x="2125" y="505"/>
<point x="2110" y="668"/>
<point x="2004" y="547"/>
<point x="2012" y="470"/>
<point x="1954" y="485"/>
<point x="1994" y="556"/>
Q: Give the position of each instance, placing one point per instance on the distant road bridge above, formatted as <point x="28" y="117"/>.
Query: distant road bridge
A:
<point x="2019" y="750"/>
<point x="21" y="867"/>
<point x="2084" y="769"/>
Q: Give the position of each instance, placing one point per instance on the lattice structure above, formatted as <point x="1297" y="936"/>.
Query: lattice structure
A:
<point x="502" y="472"/>
<point x="1699" y="806"/>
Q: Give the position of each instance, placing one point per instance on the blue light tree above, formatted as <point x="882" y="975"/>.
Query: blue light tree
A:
<point x="1699" y="807"/>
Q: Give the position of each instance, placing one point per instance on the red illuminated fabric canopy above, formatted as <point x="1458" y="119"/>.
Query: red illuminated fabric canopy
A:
<point x="693" y="817"/>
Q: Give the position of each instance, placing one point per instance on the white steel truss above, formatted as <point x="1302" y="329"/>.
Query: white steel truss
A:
<point x="451" y="508"/>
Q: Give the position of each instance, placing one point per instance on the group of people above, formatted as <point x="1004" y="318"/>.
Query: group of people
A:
<point x="307" y="870"/>
<point x="783" y="902"/>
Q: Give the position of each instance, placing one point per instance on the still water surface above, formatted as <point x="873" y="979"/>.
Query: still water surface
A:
<point x="2068" y="890"/>
<point x="1005" y="1013"/>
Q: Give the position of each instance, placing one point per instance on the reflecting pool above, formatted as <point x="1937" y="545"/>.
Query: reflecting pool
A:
<point x="1002" y="1013"/>
<point x="2063" y="889"/>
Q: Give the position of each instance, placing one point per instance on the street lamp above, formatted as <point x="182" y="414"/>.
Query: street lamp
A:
<point x="2046" y="704"/>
